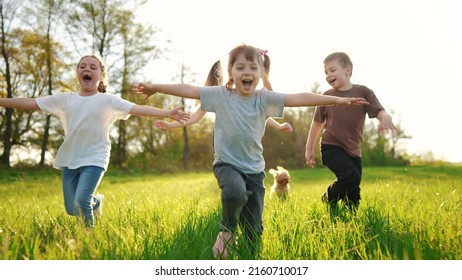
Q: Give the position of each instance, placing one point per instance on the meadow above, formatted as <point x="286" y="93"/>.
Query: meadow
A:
<point x="405" y="213"/>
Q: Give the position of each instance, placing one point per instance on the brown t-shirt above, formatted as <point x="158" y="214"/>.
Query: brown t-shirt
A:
<point x="343" y="126"/>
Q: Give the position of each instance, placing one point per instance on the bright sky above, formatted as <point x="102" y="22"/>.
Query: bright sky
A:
<point x="408" y="52"/>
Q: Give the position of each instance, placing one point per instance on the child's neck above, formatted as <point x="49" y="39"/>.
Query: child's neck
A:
<point x="345" y="87"/>
<point x="87" y="93"/>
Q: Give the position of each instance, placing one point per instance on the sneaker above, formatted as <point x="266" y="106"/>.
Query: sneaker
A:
<point x="98" y="212"/>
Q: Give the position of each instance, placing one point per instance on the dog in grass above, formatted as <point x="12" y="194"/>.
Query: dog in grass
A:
<point x="281" y="185"/>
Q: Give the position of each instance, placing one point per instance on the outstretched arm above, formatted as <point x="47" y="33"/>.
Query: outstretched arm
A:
<point x="286" y="127"/>
<point x="149" y="111"/>
<point x="315" y="130"/>
<point x="182" y="90"/>
<point x="22" y="103"/>
<point x="197" y="116"/>
<point x="386" y="123"/>
<point x="311" y="99"/>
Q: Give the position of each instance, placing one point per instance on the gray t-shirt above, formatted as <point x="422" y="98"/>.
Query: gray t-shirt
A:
<point x="240" y="124"/>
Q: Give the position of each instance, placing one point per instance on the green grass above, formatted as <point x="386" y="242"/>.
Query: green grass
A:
<point x="405" y="213"/>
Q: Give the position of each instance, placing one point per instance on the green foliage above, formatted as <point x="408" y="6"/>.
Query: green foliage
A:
<point x="382" y="149"/>
<point x="405" y="213"/>
<point x="288" y="149"/>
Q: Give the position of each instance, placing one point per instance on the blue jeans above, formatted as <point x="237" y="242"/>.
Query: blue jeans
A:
<point x="79" y="185"/>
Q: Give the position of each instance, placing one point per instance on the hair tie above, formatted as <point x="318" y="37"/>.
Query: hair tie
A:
<point x="264" y="52"/>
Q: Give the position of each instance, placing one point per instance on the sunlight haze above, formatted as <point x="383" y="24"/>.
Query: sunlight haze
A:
<point x="407" y="52"/>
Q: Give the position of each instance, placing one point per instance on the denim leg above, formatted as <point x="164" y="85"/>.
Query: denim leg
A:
<point x="251" y="219"/>
<point x="348" y="171"/>
<point x="233" y="195"/>
<point x="79" y="185"/>
<point x="70" y="181"/>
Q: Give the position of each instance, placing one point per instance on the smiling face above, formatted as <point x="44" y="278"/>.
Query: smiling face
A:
<point x="338" y="76"/>
<point x="89" y="74"/>
<point x="246" y="75"/>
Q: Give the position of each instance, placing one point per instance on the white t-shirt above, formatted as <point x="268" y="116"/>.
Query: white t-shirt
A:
<point x="86" y="121"/>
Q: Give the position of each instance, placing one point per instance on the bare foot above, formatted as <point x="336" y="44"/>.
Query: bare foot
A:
<point x="219" y="249"/>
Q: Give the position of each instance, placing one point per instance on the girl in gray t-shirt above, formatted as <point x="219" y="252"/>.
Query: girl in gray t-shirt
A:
<point x="241" y="112"/>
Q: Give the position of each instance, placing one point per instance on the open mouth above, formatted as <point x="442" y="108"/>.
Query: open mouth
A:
<point x="332" y="81"/>
<point x="247" y="84"/>
<point x="86" y="78"/>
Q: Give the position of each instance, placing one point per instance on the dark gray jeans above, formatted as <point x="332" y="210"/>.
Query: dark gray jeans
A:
<point x="242" y="199"/>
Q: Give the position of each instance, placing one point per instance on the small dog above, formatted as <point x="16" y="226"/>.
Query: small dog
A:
<point x="281" y="185"/>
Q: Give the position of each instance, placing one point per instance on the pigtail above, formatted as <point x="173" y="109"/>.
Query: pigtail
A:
<point x="103" y="84"/>
<point x="265" y="74"/>
<point x="102" y="87"/>
<point x="215" y="77"/>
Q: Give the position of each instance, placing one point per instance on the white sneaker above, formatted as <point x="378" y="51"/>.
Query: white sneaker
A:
<point x="98" y="212"/>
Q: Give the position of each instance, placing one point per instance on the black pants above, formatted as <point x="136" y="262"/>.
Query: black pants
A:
<point x="348" y="170"/>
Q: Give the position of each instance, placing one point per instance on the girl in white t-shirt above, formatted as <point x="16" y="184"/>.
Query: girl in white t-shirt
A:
<point x="86" y="117"/>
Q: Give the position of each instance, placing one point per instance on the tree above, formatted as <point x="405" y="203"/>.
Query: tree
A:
<point x="105" y="27"/>
<point x="382" y="149"/>
<point x="46" y="13"/>
<point x="136" y="54"/>
<point x="29" y="64"/>
<point x="7" y="13"/>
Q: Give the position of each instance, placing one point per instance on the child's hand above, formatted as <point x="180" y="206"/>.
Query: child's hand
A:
<point x="345" y="101"/>
<point x="387" y="125"/>
<point x="143" y="88"/>
<point x="286" y="127"/>
<point x="387" y="128"/>
<point x="178" y="115"/>
<point x="162" y="125"/>
<point x="310" y="158"/>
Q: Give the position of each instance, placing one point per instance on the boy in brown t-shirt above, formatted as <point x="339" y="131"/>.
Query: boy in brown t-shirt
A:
<point x="343" y="131"/>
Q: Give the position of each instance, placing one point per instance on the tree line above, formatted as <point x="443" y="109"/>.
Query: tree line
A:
<point x="41" y="43"/>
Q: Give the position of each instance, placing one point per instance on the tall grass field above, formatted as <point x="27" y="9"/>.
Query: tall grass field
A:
<point x="405" y="213"/>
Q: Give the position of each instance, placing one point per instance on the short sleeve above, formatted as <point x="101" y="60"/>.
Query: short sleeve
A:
<point x="210" y="97"/>
<point x="374" y="107"/>
<point x="51" y="104"/>
<point x="320" y="114"/>
<point x="121" y="107"/>
<point x="274" y="103"/>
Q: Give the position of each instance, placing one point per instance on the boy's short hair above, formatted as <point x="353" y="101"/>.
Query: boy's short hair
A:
<point x="342" y="57"/>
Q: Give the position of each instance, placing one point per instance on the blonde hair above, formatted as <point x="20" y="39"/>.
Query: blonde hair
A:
<point x="103" y="84"/>
<point x="215" y="77"/>
<point x="342" y="58"/>
<point x="251" y="54"/>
